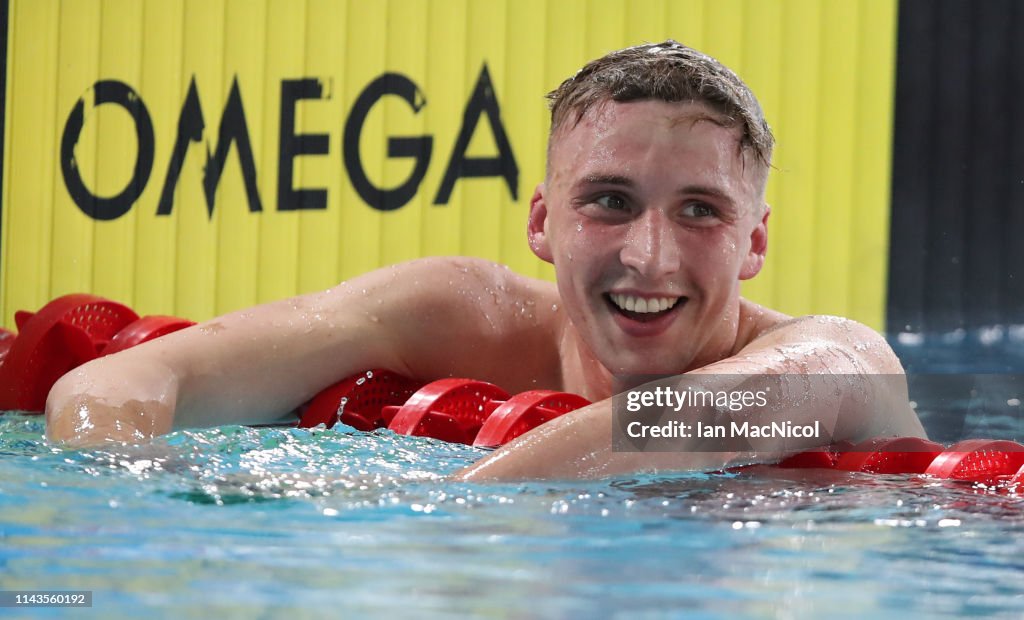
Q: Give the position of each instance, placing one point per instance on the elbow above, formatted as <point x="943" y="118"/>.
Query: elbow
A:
<point x="88" y="406"/>
<point x="66" y="414"/>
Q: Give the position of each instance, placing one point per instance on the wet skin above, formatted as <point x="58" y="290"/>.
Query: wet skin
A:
<point x="655" y="201"/>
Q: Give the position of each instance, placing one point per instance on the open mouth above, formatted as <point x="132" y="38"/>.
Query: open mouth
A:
<point x="643" y="309"/>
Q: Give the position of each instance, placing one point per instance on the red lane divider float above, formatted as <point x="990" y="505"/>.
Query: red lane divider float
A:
<point x="985" y="461"/>
<point x="890" y="455"/>
<point x="456" y="410"/>
<point x="145" y="329"/>
<point x="524" y="412"/>
<point x="820" y="458"/>
<point x="64" y="334"/>
<point x="6" y="340"/>
<point x="358" y="400"/>
<point x="449" y="409"/>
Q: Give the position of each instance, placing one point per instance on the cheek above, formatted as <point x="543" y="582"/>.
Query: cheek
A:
<point x="585" y="263"/>
<point x="714" y="260"/>
<point x="583" y="245"/>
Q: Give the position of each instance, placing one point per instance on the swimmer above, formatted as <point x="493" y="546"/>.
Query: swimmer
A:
<point x="652" y="211"/>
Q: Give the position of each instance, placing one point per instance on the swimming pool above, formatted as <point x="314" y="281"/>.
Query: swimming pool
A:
<point x="270" y="522"/>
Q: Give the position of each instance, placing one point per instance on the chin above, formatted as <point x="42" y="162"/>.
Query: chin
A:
<point x="644" y="365"/>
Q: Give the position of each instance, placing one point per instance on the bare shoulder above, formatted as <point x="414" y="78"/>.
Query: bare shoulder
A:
<point x="813" y="343"/>
<point x="472" y="318"/>
<point x="492" y="290"/>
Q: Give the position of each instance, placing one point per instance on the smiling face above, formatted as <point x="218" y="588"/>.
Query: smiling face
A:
<point x="651" y="217"/>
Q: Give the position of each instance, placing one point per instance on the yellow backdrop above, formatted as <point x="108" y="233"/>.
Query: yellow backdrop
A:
<point x="282" y="80"/>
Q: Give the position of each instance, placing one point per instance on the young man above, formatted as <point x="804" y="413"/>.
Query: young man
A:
<point x="652" y="212"/>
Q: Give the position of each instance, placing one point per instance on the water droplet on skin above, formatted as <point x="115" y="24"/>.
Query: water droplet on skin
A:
<point x="579" y="227"/>
<point x="494" y="295"/>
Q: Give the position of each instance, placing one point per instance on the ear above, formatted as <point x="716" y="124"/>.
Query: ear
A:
<point x="754" y="261"/>
<point x="536" y="226"/>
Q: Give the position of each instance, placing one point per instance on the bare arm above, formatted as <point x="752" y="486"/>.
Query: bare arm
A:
<point x="579" y="444"/>
<point x="426" y="319"/>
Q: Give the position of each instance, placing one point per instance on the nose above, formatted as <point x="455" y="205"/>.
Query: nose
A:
<point x="650" y="248"/>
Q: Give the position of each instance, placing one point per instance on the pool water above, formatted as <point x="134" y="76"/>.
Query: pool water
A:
<point x="275" y="522"/>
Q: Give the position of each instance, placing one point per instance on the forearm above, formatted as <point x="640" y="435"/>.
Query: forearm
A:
<point x="223" y="372"/>
<point x="579" y="445"/>
<point x="824" y="409"/>
<point x="215" y="373"/>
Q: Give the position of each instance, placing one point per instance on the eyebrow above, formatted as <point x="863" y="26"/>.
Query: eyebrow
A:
<point x="704" y="190"/>
<point x="608" y="179"/>
<point x="616" y="179"/>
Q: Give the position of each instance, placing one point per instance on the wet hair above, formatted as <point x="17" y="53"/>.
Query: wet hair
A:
<point x="670" y="72"/>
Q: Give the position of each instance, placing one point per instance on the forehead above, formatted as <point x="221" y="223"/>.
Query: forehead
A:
<point x="655" y="140"/>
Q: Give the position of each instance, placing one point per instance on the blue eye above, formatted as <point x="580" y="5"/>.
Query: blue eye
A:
<point x="612" y="202"/>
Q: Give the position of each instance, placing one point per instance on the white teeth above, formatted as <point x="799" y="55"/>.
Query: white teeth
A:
<point x="640" y="304"/>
